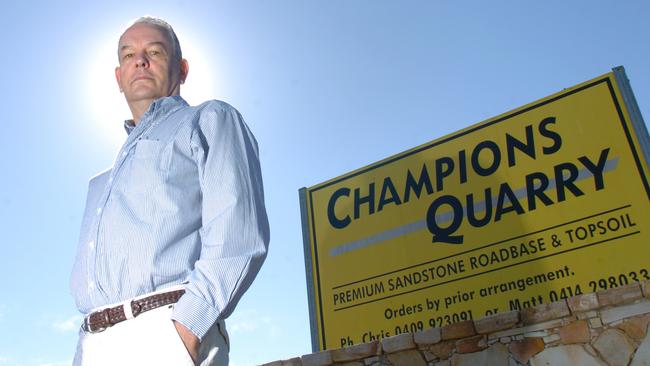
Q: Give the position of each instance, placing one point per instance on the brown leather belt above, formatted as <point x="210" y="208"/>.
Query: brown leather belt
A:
<point x="100" y="320"/>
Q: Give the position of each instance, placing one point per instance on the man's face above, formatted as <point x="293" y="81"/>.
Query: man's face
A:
<point x="148" y="69"/>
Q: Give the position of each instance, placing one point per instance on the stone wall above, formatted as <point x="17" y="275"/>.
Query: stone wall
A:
<point x="606" y="328"/>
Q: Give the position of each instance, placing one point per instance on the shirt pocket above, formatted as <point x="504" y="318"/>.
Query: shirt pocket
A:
<point x="148" y="170"/>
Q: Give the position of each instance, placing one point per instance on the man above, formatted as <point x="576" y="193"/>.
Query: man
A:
<point x="175" y="232"/>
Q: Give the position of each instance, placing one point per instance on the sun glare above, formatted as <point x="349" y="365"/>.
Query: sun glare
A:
<point x="107" y="105"/>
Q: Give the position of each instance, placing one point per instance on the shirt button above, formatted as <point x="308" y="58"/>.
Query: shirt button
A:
<point x="124" y="153"/>
<point x="99" y="210"/>
<point x="110" y="180"/>
<point x="91" y="244"/>
<point x="91" y="285"/>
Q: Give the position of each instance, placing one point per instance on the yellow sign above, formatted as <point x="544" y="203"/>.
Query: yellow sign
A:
<point x="539" y="204"/>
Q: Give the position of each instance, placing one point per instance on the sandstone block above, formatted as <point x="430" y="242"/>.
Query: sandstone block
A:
<point x="429" y="336"/>
<point x="582" y="303"/>
<point x="576" y="332"/>
<point x="573" y="355"/>
<point x="323" y="358"/>
<point x="400" y="342"/>
<point x="442" y="350"/>
<point x="290" y="362"/>
<point x="614" y="347"/>
<point x="496" y="322"/>
<point x="429" y="356"/>
<point x="472" y="344"/>
<point x="544" y="312"/>
<point x="620" y="295"/>
<point x="496" y="355"/>
<point x="458" y="330"/>
<point x="551" y="338"/>
<point x="624" y="311"/>
<point x="406" y="358"/>
<point x="356" y="352"/>
<point x="517" y="332"/>
<point x="645" y="288"/>
<point x="536" y="334"/>
<point x="595" y="323"/>
<point x="374" y="360"/>
<point x="642" y="355"/>
<point x="351" y="363"/>
<point x="635" y="327"/>
<point x="523" y="350"/>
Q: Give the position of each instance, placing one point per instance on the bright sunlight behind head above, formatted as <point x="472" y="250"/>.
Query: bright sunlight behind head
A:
<point x="107" y="105"/>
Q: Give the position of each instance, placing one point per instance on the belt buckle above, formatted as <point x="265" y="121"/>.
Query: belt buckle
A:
<point x="88" y="329"/>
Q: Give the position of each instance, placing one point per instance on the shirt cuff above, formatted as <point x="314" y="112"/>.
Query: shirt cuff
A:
<point x="195" y="314"/>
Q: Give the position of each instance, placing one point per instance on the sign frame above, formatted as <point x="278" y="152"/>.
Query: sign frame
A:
<point x="629" y="105"/>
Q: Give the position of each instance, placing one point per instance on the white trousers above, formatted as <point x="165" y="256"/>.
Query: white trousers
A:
<point x="149" y="339"/>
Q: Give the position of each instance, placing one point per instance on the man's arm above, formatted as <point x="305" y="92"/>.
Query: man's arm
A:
<point x="234" y="233"/>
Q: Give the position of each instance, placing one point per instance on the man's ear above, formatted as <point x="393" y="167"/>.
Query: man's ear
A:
<point x="118" y="77"/>
<point x="185" y="69"/>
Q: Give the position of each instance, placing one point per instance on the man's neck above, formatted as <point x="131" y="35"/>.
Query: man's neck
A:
<point x="138" y="108"/>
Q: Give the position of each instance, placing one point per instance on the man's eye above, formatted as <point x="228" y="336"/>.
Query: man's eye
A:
<point x="154" y="53"/>
<point x="127" y="56"/>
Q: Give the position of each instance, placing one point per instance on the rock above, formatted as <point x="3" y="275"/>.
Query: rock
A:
<point x="496" y="322"/>
<point x="458" y="330"/>
<point x="429" y="336"/>
<point x="531" y="328"/>
<point x="496" y="355"/>
<point x="442" y="350"/>
<point x="642" y="356"/>
<point x="472" y="344"/>
<point x="645" y="288"/>
<point x="523" y="350"/>
<point x="582" y="303"/>
<point x="635" y="327"/>
<point x="625" y="311"/>
<point x="544" y="312"/>
<point x="552" y="338"/>
<point x="356" y="352"/>
<point x="290" y="362"/>
<point x="620" y="295"/>
<point x="573" y="355"/>
<point x="576" y="332"/>
<point x="614" y="347"/>
<point x="400" y="342"/>
<point x="323" y="358"/>
<point x="407" y="358"/>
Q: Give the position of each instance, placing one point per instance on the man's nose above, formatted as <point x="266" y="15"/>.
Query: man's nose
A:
<point x="141" y="60"/>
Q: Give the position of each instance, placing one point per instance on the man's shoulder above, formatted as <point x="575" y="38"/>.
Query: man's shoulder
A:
<point x="101" y="175"/>
<point x="215" y="105"/>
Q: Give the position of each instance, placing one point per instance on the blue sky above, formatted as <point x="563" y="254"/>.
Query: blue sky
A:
<point x="326" y="86"/>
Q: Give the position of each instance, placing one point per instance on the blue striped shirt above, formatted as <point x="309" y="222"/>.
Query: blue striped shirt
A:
<point x="183" y="203"/>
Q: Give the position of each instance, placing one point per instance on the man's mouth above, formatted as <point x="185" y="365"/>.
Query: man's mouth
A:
<point x="140" y="78"/>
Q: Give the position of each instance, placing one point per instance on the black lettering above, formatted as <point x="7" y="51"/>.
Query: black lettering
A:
<point x="552" y="135"/>
<point x="532" y="190"/>
<point x="562" y="182"/>
<point x="506" y="191"/>
<point x="411" y="185"/>
<point x="596" y="169"/>
<point x="443" y="234"/>
<point x="331" y="214"/>
<point x="496" y="158"/>
<point x="527" y="148"/>
<point x="471" y="209"/>
<point x="394" y="197"/>
<point x="369" y="199"/>
<point x="444" y="167"/>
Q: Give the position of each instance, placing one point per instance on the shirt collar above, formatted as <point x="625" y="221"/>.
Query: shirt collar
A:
<point x="159" y="107"/>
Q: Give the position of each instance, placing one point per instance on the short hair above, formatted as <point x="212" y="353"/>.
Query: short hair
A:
<point x="166" y="27"/>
